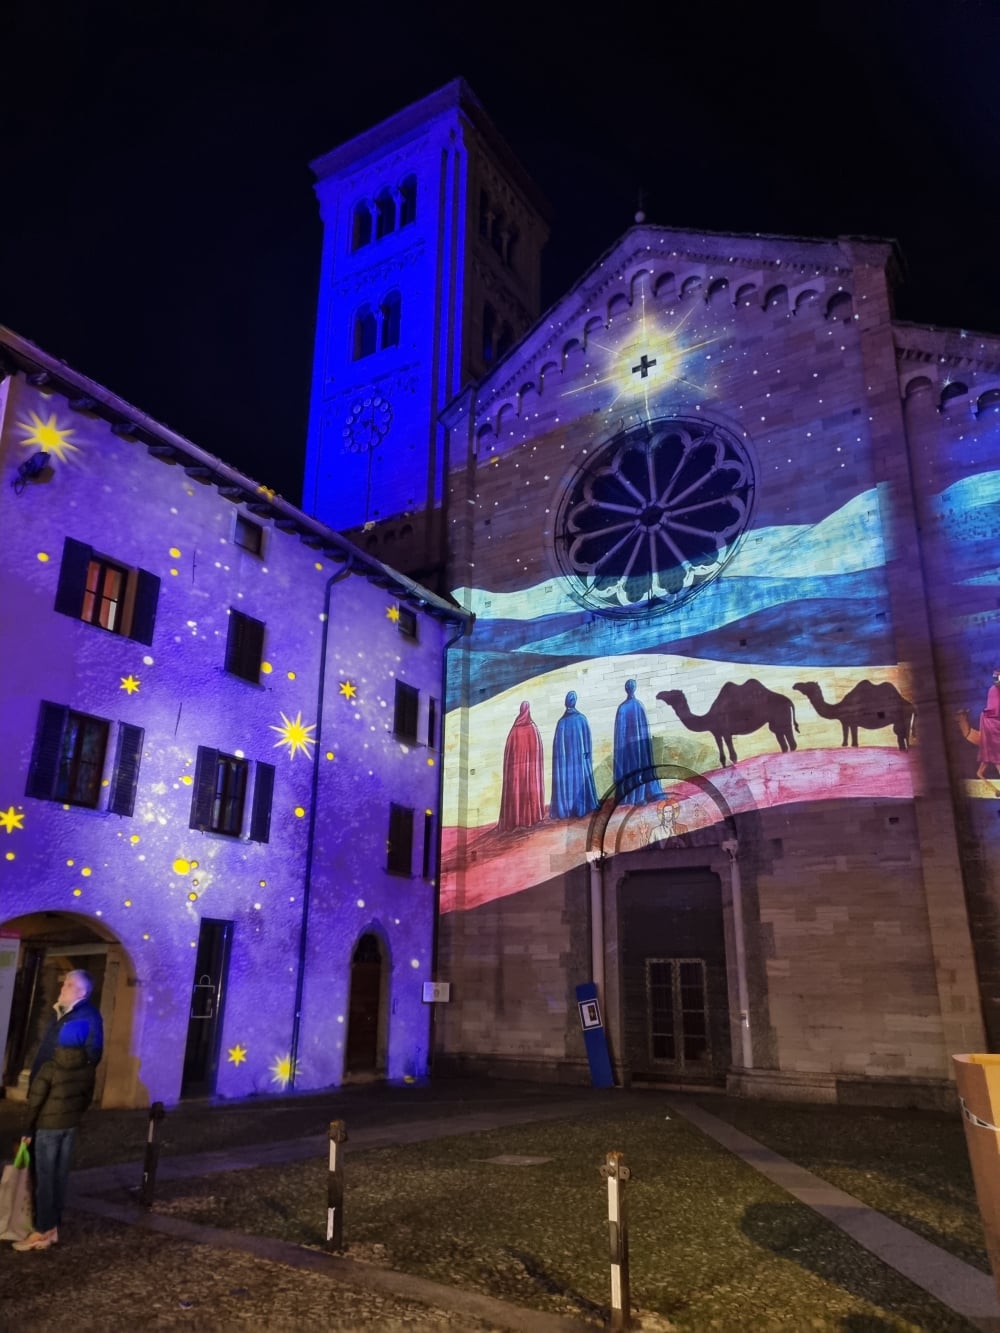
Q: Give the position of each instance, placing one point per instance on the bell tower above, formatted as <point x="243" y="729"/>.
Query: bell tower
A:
<point x="432" y="244"/>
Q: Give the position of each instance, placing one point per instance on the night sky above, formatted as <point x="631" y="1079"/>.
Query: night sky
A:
<point x="159" y="230"/>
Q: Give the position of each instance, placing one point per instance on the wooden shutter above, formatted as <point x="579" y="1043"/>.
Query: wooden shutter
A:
<point x="45" y="757"/>
<point x="76" y="558"/>
<point x="244" y="646"/>
<point x="407" y="705"/>
<point x="125" y="778"/>
<point x="147" y="593"/>
<point x="400" y="857"/>
<point x="263" y="792"/>
<point x="203" y="797"/>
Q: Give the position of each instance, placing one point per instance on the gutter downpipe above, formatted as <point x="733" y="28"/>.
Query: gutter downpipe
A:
<point x="465" y="627"/>
<point x="595" y="862"/>
<point x="300" y="978"/>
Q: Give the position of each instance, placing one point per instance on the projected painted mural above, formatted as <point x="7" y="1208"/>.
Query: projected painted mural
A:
<point x="693" y="534"/>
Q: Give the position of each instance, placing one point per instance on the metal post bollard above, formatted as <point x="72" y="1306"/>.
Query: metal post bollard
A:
<point x="616" y="1173"/>
<point x="335" y="1188"/>
<point x="146" y="1189"/>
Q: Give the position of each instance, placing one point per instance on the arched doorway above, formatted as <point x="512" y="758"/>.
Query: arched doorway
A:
<point x="48" y="945"/>
<point x="365" y="1053"/>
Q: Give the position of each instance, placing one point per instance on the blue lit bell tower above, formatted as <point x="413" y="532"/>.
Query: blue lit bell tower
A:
<point x="431" y="260"/>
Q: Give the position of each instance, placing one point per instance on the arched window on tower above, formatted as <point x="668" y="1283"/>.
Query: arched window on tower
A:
<point x="489" y="333"/>
<point x="365" y="333"/>
<point x="391" y="310"/>
<point x="361" y="225"/>
<point x="385" y="213"/>
<point x="408" y="201"/>
<point x="506" y="341"/>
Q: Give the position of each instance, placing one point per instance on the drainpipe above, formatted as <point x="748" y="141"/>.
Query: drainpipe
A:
<point x="595" y="861"/>
<point x="464" y="627"/>
<point x="311" y="838"/>
<point x="732" y="848"/>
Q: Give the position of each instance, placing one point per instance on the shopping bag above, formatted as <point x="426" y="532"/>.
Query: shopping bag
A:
<point x="15" y="1197"/>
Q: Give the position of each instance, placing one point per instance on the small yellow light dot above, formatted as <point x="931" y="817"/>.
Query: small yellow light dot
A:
<point x="77" y="893"/>
<point x="71" y="862"/>
<point x="173" y="573"/>
<point x="181" y="866"/>
<point x="262" y="883"/>
<point x="428" y="812"/>
<point x="145" y="937"/>
<point x="266" y="668"/>
<point x="194" y="865"/>
<point x="134" y="839"/>
<point x="330" y="754"/>
<point x="299" y="812"/>
<point x="43" y="557"/>
<point x="128" y="902"/>
<point x="196" y="882"/>
<point x="291" y="675"/>
<point x="192" y="897"/>
<point x="85" y="871"/>
<point x="10" y="856"/>
<point x="319" y="564"/>
<point x="430" y="763"/>
<point x="187" y="779"/>
<point x="174" y="553"/>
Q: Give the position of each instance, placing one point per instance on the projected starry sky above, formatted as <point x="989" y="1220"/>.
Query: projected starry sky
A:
<point x="180" y="265"/>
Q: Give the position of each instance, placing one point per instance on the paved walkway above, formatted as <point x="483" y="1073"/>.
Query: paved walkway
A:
<point x="965" y="1290"/>
<point x="962" y="1288"/>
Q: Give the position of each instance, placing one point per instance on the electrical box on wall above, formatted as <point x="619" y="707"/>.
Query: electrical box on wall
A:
<point x="437" y="992"/>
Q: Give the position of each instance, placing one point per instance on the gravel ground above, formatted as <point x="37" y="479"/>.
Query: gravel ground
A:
<point x="715" y="1247"/>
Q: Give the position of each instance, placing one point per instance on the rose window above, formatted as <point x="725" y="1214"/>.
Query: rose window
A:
<point x="654" y="515"/>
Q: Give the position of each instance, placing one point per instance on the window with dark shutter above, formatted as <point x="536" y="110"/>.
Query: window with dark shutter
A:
<point x="399" y="858"/>
<point x="106" y="593"/>
<point x="244" y="646"/>
<point x="220" y="788"/>
<point x="432" y="723"/>
<point x="82" y="747"/>
<point x="428" y="865"/>
<point x="407" y="707"/>
<point x="263" y="792"/>
<point x="407" y="622"/>
<point x="249" y="535"/>
<point x="126" y="771"/>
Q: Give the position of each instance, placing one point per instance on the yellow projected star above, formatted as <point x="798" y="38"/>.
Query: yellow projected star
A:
<point x="48" y="435"/>
<point x="296" y="734"/>
<point x="393" y="613"/>
<point x="10" y="819"/>
<point x="281" y="1070"/>
<point x="348" y="689"/>
<point x="130" y="684"/>
<point x="237" y="1055"/>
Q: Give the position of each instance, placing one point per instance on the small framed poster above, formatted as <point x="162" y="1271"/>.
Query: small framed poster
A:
<point x="590" y="1014"/>
<point x="437" y="992"/>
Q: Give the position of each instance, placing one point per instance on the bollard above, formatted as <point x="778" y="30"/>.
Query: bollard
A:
<point x="335" y="1188"/>
<point x="616" y="1173"/>
<point x="146" y="1189"/>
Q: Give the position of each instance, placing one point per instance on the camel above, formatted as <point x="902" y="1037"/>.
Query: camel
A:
<point x="970" y="732"/>
<point x="867" y="706"/>
<point x="739" y="710"/>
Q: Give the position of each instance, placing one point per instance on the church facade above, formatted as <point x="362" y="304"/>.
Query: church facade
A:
<point x="714" y="744"/>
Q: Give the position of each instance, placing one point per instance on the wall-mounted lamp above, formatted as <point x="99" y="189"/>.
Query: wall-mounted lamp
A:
<point x="30" y="470"/>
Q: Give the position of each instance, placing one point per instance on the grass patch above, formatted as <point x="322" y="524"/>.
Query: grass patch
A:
<point x="911" y="1165"/>
<point x="713" y="1244"/>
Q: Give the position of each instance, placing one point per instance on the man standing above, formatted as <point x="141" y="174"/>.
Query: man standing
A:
<point x="60" y="1090"/>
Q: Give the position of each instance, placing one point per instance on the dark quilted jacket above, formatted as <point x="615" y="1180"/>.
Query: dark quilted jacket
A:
<point x="61" y="1090"/>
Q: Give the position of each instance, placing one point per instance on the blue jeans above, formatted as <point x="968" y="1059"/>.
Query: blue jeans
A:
<point x="51" y="1152"/>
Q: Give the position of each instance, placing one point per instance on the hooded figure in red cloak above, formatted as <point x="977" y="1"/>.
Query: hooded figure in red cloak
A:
<point x="522" y="803"/>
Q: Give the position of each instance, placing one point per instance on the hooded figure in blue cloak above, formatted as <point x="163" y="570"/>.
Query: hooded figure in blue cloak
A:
<point x="573" y="790"/>
<point x="635" y="777"/>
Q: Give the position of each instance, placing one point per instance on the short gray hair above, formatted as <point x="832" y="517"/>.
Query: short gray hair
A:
<point x="83" y="981"/>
